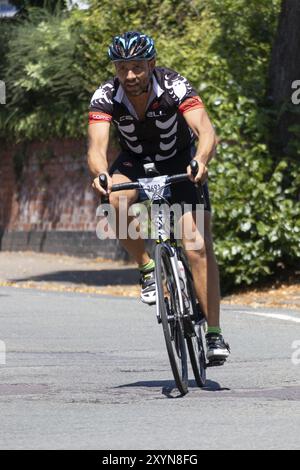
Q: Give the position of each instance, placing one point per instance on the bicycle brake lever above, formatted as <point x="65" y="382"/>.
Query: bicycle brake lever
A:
<point x="195" y="167"/>
<point x="198" y="186"/>
<point x="103" y="183"/>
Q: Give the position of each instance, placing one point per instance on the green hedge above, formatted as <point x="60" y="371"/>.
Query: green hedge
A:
<point x="223" y="47"/>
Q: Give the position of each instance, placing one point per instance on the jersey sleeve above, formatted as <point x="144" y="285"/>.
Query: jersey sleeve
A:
<point x="190" y="103"/>
<point x="182" y="92"/>
<point x="101" y="106"/>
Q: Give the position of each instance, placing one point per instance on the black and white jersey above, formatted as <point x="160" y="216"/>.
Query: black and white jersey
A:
<point x="163" y="132"/>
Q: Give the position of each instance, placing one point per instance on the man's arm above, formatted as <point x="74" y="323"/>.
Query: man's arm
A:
<point x="199" y="122"/>
<point x="97" y="152"/>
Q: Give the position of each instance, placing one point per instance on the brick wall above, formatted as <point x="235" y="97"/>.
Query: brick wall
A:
<point x="48" y="203"/>
<point x="7" y="185"/>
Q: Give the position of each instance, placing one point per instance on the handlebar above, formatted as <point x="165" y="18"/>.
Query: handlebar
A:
<point x="136" y="185"/>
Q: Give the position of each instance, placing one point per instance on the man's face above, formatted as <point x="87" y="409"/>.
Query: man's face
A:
<point x="134" y="75"/>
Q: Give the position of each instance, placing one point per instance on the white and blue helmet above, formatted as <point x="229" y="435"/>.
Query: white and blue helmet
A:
<point x="132" y="46"/>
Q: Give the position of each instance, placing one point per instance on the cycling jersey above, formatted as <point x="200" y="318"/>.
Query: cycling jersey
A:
<point x="163" y="132"/>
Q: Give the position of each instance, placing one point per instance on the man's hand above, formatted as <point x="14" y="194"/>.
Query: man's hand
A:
<point x="202" y="174"/>
<point x="96" y="185"/>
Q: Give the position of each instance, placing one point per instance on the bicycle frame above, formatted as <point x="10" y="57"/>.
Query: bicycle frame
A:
<point x="162" y="236"/>
<point x="171" y="310"/>
<point x="159" y="222"/>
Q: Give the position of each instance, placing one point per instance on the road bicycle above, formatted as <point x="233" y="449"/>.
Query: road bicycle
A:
<point x="177" y="307"/>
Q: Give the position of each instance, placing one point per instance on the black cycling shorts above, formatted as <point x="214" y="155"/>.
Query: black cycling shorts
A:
<point x="183" y="193"/>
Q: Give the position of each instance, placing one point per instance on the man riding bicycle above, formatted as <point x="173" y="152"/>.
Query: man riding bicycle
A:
<point x="158" y="116"/>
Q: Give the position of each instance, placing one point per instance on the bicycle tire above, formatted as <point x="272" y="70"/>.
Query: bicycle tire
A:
<point x="173" y="329"/>
<point x="195" y="343"/>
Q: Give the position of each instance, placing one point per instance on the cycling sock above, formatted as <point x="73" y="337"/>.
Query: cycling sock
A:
<point x="147" y="267"/>
<point x="214" y="330"/>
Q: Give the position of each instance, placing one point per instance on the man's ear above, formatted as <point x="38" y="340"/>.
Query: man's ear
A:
<point x="152" y="63"/>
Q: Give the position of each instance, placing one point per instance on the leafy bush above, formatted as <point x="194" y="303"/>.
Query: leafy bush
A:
<point x="45" y="95"/>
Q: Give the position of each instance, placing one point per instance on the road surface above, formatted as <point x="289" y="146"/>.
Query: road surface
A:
<point x="91" y="372"/>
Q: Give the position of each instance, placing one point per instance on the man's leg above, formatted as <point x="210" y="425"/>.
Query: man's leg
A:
<point x="135" y="248"/>
<point x="204" y="266"/>
<point x="121" y="201"/>
<point x="207" y="284"/>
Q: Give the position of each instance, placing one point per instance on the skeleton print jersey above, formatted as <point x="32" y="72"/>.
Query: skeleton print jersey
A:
<point x="163" y="132"/>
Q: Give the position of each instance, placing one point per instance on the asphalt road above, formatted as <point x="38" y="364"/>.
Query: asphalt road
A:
<point x="90" y="372"/>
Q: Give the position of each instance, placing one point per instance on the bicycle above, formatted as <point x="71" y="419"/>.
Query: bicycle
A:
<point x="177" y="307"/>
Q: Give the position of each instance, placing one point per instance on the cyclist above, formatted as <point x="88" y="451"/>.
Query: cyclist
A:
<point x="158" y="117"/>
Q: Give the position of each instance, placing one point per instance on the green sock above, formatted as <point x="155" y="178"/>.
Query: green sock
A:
<point x="147" y="266"/>
<point x="214" y="330"/>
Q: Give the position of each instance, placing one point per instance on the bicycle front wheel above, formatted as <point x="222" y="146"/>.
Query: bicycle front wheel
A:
<point x="168" y="304"/>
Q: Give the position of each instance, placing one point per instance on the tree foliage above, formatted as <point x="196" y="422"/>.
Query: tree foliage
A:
<point x="284" y="72"/>
<point x="223" y="47"/>
<point x="50" y="5"/>
<point x="44" y="91"/>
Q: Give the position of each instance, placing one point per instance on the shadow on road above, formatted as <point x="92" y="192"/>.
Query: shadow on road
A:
<point x="102" y="277"/>
<point x="169" y="389"/>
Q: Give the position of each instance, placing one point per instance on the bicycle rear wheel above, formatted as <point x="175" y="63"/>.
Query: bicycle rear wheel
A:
<point x="197" y="355"/>
<point x="168" y="304"/>
<point x="195" y="340"/>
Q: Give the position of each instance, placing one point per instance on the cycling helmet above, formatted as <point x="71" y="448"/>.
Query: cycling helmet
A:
<point x="132" y="46"/>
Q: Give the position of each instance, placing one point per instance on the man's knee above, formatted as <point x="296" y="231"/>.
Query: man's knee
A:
<point x="121" y="201"/>
<point x="200" y="248"/>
